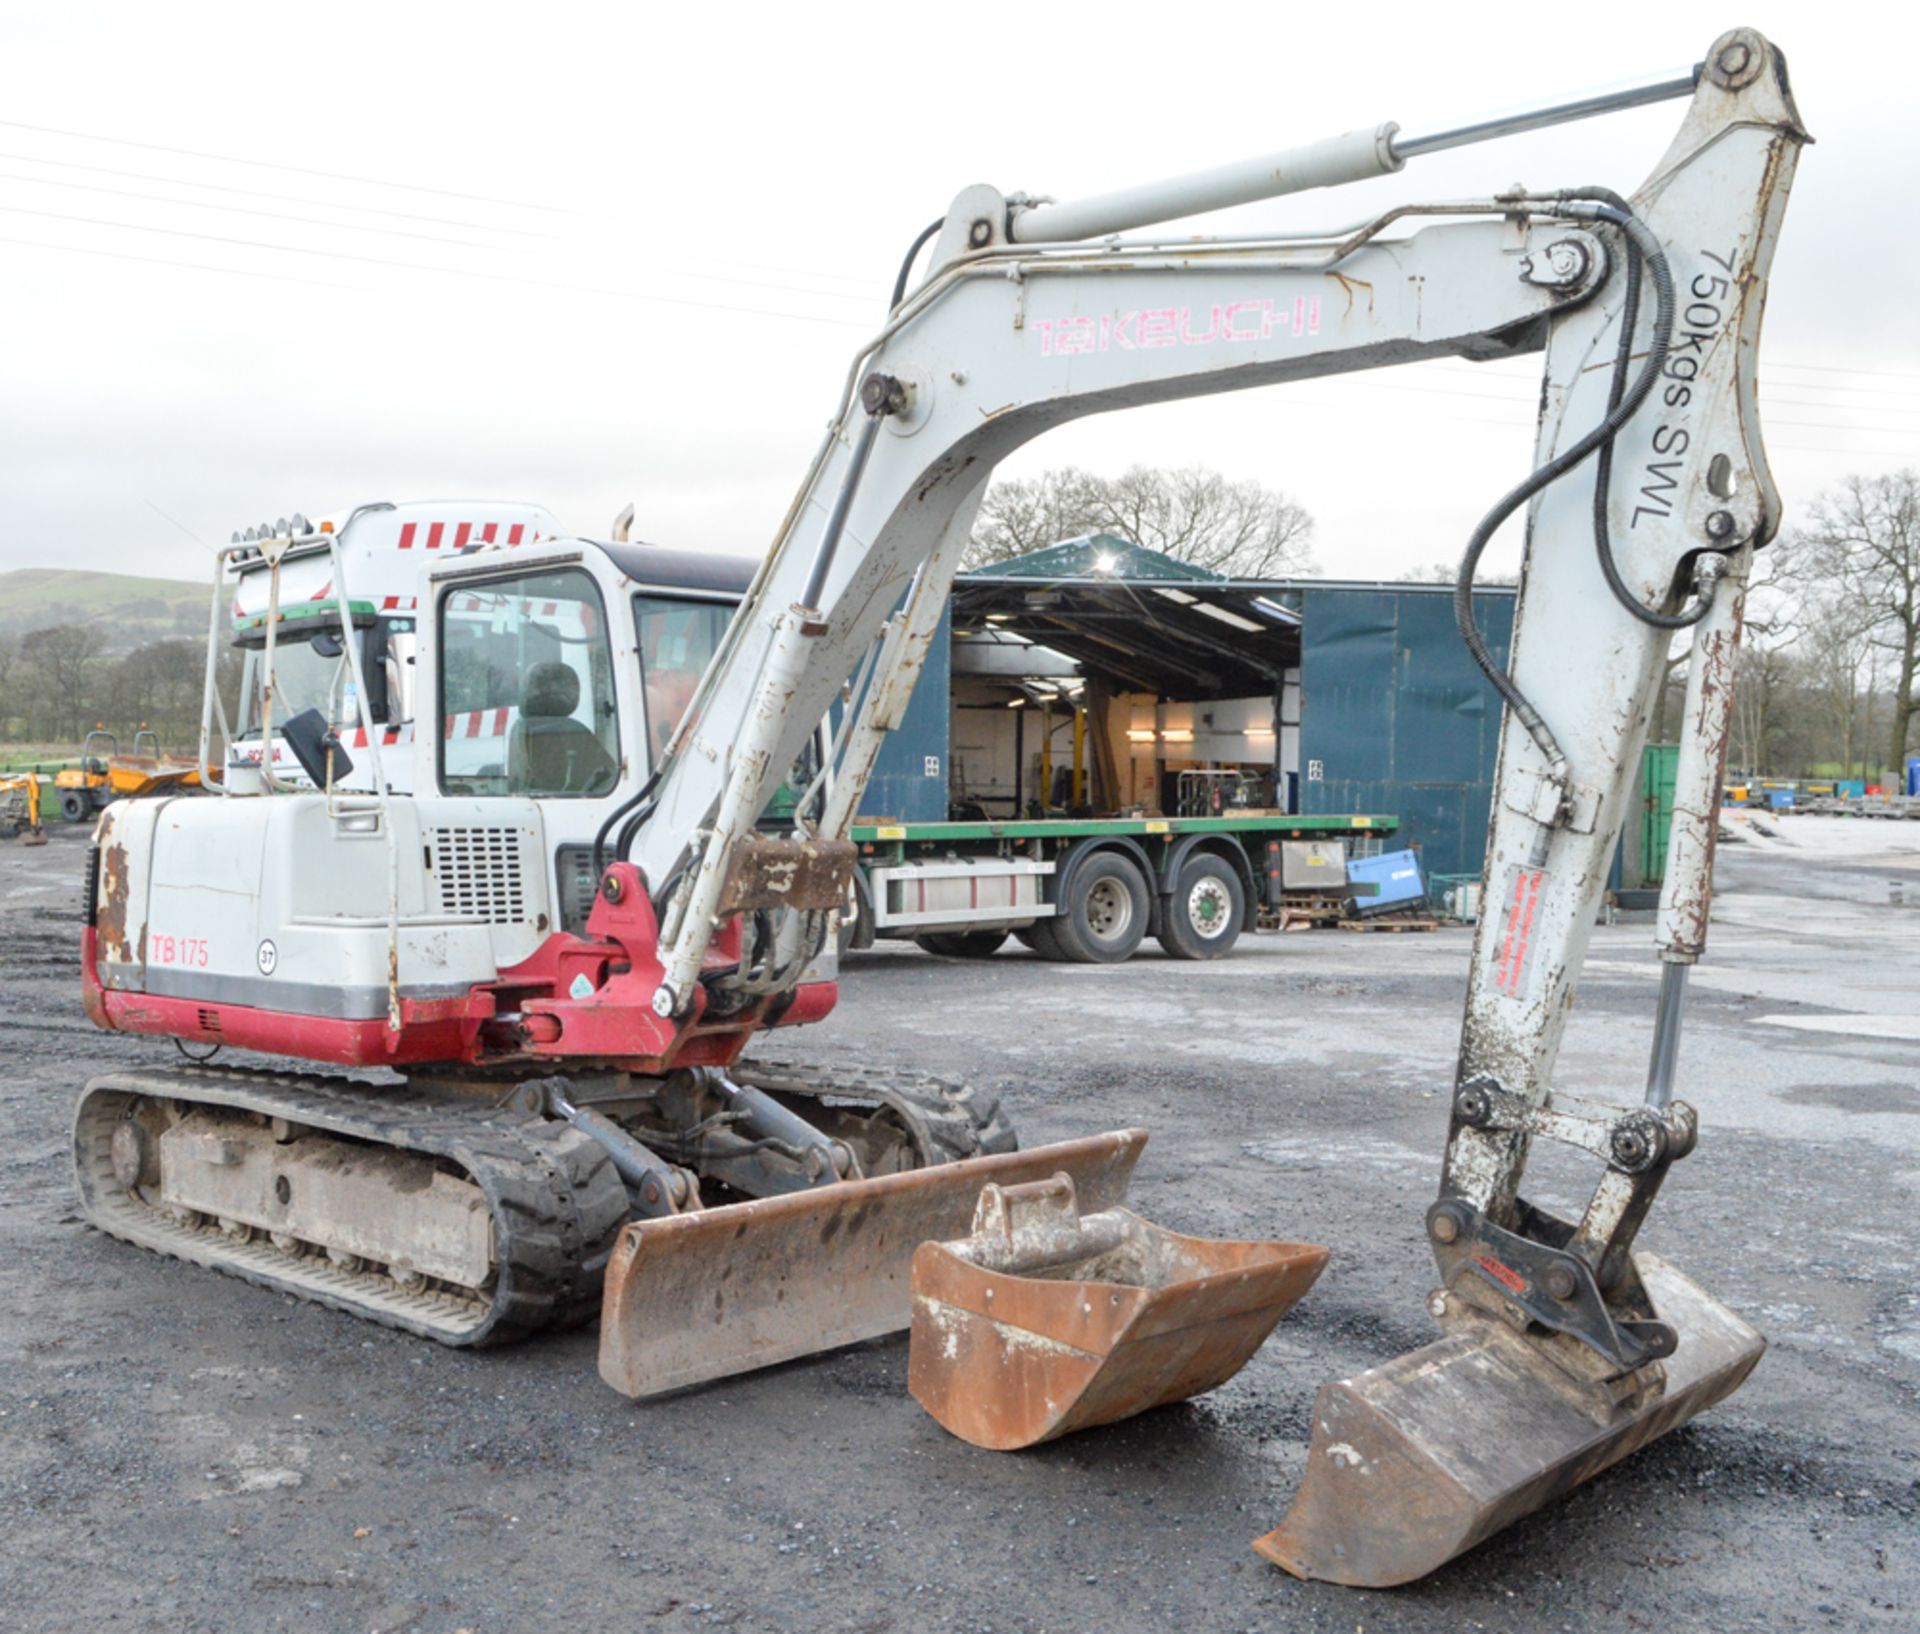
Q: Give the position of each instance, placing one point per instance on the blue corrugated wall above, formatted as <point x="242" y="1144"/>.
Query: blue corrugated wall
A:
<point x="902" y="786"/>
<point x="1397" y="717"/>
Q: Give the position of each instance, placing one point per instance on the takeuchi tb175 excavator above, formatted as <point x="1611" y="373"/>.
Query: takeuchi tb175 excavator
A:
<point x="482" y="827"/>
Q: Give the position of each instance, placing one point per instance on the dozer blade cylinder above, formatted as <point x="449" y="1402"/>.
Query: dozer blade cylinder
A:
<point x="1417" y="1461"/>
<point x="707" y="1295"/>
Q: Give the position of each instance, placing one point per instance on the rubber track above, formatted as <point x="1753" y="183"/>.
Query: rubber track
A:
<point x="557" y="1203"/>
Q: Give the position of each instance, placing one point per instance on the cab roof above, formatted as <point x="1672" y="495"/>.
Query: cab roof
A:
<point x="695" y="570"/>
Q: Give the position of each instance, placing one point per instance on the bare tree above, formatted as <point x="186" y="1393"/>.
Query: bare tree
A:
<point x="1242" y="529"/>
<point x="1862" y="542"/>
<point x="158" y="686"/>
<point x="64" y="657"/>
<point x="1449" y="573"/>
<point x="9" y="663"/>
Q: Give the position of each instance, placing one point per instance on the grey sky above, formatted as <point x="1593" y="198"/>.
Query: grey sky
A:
<point x="709" y="208"/>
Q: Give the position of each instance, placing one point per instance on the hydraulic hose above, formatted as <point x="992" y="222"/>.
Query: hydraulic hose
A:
<point x="906" y="266"/>
<point x="1580" y="204"/>
<point x="1603" y="466"/>
<point x="614" y="816"/>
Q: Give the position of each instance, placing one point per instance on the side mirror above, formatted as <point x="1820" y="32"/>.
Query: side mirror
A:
<point x="329" y="643"/>
<point x="317" y="747"/>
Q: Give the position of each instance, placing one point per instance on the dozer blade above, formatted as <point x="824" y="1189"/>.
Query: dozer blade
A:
<point x="704" y="1295"/>
<point x="1044" y="1322"/>
<point x="1417" y="1461"/>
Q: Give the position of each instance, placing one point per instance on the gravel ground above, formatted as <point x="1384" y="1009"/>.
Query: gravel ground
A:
<point x="181" y="1451"/>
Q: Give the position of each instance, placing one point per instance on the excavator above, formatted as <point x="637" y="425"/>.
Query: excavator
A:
<point x="507" y="935"/>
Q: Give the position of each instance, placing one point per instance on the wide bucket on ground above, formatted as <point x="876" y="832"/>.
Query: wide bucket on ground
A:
<point x="1420" y="1460"/>
<point x="1045" y="1321"/>
<point x="716" y="1292"/>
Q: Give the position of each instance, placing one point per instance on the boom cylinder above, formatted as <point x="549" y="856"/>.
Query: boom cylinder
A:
<point x="1356" y="156"/>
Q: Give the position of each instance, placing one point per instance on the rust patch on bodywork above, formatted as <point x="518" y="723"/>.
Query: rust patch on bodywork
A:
<point x="111" y="909"/>
<point x="1348" y="286"/>
<point x="808" y="874"/>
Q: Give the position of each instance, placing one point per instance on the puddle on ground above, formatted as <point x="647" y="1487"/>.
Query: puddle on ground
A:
<point x="1871" y="1097"/>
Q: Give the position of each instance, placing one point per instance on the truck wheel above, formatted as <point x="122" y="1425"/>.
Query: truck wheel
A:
<point x="1039" y="936"/>
<point x="963" y="944"/>
<point x="74" y="806"/>
<point x="1205" y="912"/>
<point x="1105" y="914"/>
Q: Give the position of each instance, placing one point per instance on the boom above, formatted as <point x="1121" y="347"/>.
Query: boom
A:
<point x="1008" y="338"/>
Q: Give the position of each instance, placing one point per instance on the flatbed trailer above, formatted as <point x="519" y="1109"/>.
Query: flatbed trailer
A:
<point x="1085" y="890"/>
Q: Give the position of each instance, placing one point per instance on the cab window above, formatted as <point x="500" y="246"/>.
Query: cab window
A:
<point x="678" y="639"/>
<point x="312" y="670"/>
<point x="527" y="688"/>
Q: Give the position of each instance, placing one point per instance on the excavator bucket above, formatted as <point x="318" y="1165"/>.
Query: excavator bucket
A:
<point x="1044" y="1322"/>
<point x="1417" y="1461"/>
<point x="715" y="1292"/>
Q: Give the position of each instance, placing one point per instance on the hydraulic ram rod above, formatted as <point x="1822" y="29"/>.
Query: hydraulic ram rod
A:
<point x="1356" y="156"/>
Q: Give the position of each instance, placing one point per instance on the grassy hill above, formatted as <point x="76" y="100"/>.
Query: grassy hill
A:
<point x="130" y="610"/>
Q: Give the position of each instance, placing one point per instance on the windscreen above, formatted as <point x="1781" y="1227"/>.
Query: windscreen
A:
<point x="678" y="639"/>
<point x="527" y="678"/>
<point x="303" y="678"/>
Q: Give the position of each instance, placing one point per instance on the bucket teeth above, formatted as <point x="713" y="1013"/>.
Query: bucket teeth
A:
<point x="1421" y="1459"/>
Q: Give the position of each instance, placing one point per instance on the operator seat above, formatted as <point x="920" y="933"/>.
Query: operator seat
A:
<point x="548" y="751"/>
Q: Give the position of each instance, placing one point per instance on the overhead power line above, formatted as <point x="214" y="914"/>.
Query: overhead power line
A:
<point x="279" y="198"/>
<point x="864" y="298"/>
<point x="420" y="267"/>
<point x="265" y="215"/>
<point x="292" y="170"/>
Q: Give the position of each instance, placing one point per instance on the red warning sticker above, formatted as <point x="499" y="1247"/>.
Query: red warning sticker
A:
<point x="1515" y="950"/>
<point x="1505" y="1275"/>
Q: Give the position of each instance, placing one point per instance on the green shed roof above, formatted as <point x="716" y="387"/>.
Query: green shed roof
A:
<point x="1098" y="555"/>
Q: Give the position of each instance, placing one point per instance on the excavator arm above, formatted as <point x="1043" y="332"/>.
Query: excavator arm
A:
<point x="1650" y="495"/>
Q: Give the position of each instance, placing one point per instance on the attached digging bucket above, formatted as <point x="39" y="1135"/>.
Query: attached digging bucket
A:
<point x="704" y="1295"/>
<point x="1044" y="1321"/>
<point x="1417" y="1461"/>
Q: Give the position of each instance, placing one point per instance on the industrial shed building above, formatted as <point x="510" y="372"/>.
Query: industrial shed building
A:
<point x="1088" y="674"/>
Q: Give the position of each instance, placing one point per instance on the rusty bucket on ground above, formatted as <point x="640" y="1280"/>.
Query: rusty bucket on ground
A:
<point x="704" y="1295"/>
<point x="1045" y="1321"/>
<point x="1417" y="1461"/>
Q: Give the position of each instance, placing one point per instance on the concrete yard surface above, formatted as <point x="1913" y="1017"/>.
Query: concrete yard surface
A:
<point x="181" y="1451"/>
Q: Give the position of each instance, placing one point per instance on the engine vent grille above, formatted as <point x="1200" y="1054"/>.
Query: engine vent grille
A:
<point x="573" y="865"/>
<point x="477" y="872"/>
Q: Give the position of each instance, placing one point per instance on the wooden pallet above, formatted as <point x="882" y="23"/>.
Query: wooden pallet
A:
<point x="1388" y="922"/>
<point x="1303" y="913"/>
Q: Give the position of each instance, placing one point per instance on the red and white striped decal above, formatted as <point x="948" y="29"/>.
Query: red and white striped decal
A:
<point x="482" y="723"/>
<point x="462" y="534"/>
<point x="545" y="609"/>
<point x="388" y="737"/>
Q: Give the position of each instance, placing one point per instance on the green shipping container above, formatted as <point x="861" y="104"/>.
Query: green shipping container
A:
<point x="1657" y="769"/>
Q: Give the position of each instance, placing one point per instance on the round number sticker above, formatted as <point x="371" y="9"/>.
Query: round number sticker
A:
<point x="267" y="958"/>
